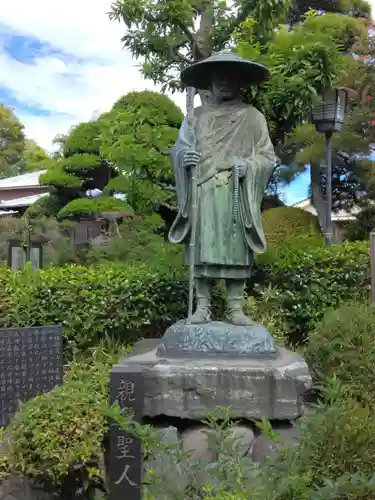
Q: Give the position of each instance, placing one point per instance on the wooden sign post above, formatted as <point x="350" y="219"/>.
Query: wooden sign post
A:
<point x="125" y="469"/>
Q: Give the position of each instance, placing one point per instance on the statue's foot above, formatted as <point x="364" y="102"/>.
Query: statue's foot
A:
<point x="238" y="318"/>
<point x="201" y="315"/>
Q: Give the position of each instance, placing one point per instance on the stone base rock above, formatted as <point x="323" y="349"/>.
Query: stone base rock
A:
<point x="196" y="442"/>
<point x="264" y="447"/>
<point x="254" y="388"/>
<point x="217" y="339"/>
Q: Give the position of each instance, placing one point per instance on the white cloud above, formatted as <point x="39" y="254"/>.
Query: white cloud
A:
<point x="71" y="91"/>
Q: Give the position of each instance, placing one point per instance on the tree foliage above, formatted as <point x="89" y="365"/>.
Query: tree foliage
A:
<point x="17" y="153"/>
<point x="302" y="62"/>
<point x="137" y="132"/>
<point x="353" y="172"/>
<point x="170" y="34"/>
<point x="122" y="152"/>
<point x="86" y="207"/>
<point x="34" y="157"/>
<point x="12" y="142"/>
<point x="305" y="57"/>
<point x="77" y="169"/>
<point x="355" y="8"/>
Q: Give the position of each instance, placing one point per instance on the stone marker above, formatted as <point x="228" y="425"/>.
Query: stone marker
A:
<point x="30" y="364"/>
<point x="125" y="469"/>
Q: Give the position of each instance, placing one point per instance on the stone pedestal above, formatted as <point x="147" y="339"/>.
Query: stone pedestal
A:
<point x="194" y="370"/>
<point x="217" y="339"/>
<point x="189" y="386"/>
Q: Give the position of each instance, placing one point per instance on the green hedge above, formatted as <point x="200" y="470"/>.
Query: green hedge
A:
<point x="291" y="227"/>
<point x="132" y="301"/>
<point x="304" y="284"/>
<point x="90" y="302"/>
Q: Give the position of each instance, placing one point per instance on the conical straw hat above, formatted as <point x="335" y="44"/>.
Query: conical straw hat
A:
<point x="199" y="75"/>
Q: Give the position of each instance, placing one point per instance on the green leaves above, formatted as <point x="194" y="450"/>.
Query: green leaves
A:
<point x="57" y="437"/>
<point x="84" y="138"/>
<point x="341" y="344"/>
<point x="170" y="34"/>
<point x="302" y="62"/>
<point x="59" y="178"/>
<point x="308" y="282"/>
<point x="12" y="142"/>
<point x="87" y="207"/>
<point x="290" y="227"/>
<point x="124" y="301"/>
<point x="135" y="135"/>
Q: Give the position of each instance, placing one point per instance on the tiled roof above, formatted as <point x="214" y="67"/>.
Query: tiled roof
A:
<point x="21" y="202"/>
<point x="25" y="180"/>
<point x="341" y="215"/>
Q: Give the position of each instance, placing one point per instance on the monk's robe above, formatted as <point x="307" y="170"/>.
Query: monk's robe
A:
<point x="223" y="249"/>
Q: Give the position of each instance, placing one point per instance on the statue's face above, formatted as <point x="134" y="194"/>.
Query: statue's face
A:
<point x="224" y="87"/>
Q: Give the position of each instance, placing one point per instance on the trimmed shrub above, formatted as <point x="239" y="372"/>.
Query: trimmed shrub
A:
<point x="56" y="439"/>
<point x="263" y="311"/>
<point x="342" y="345"/>
<point x="44" y="207"/>
<point x="304" y="284"/>
<point x="125" y="302"/>
<point x="364" y="222"/>
<point x="290" y="226"/>
<point x="86" y="207"/>
<point x="129" y="301"/>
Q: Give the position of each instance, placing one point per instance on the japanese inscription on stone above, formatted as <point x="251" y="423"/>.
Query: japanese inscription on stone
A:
<point x="30" y="364"/>
<point x="125" y="462"/>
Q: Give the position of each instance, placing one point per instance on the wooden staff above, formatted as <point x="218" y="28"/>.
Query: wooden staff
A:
<point x="190" y="94"/>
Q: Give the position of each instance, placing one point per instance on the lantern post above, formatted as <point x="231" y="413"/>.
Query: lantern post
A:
<point x="329" y="117"/>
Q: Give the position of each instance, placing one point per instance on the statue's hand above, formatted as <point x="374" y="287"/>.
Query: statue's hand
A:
<point x="191" y="158"/>
<point x="241" y="164"/>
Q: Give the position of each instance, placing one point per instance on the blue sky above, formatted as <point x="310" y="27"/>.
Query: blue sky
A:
<point x="297" y="190"/>
<point x="62" y="63"/>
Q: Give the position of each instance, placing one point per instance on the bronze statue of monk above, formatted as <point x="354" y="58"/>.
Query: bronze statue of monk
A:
<point x="234" y="158"/>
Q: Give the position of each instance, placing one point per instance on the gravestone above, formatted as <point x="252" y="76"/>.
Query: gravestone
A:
<point x="125" y="460"/>
<point x="18" y="254"/>
<point x="30" y="364"/>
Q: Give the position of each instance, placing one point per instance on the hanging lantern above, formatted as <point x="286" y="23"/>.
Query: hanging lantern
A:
<point x="329" y="115"/>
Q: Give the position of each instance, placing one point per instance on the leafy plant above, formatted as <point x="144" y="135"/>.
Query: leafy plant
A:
<point x="57" y="438"/>
<point x="305" y="283"/>
<point x="58" y="442"/>
<point x="264" y="311"/>
<point x="342" y="345"/>
<point x="290" y="227"/>
<point x="135" y="136"/>
<point x="333" y="456"/>
<point x="87" y="207"/>
<point x="140" y="240"/>
<point x="125" y="302"/>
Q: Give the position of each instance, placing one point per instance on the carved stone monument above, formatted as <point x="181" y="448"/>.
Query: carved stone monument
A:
<point x="223" y="159"/>
<point x="30" y="364"/>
